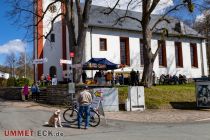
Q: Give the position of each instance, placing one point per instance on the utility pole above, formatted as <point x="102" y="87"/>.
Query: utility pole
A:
<point x="13" y="68"/>
<point x="25" y="63"/>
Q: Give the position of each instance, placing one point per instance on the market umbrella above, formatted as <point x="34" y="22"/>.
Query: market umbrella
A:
<point x="99" y="64"/>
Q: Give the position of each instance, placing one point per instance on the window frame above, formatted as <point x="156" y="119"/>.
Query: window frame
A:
<point x="163" y="49"/>
<point x="195" y="55"/>
<point x="52" y="37"/>
<point x="179" y="54"/>
<point x="141" y="52"/>
<point x="105" y="43"/>
<point x="127" y="50"/>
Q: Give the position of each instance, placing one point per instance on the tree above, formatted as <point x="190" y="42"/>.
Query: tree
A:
<point x="24" y="66"/>
<point x="75" y="15"/>
<point x="11" y="63"/>
<point x="148" y="6"/>
<point x="203" y="27"/>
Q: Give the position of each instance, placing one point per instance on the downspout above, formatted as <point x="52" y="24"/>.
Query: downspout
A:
<point x="35" y="37"/>
<point x="202" y="61"/>
<point x="91" y="46"/>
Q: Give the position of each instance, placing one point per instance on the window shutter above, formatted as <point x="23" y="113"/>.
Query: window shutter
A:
<point x="164" y="54"/>
<point x="127" y="52"/>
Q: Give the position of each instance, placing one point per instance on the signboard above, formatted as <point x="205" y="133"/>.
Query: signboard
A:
<point x="203" y="94"/>
<point x="54" y="81"/>
<point x="97" y="104"/>
<point x="71" y="87"/>
<point x="62" y="61"/>
<point x="66" y="74"/>
<point x="40" y="61"/>
<point x="109" y="98"/>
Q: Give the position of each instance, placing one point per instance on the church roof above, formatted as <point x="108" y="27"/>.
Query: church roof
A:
<point x="99" y="19"/>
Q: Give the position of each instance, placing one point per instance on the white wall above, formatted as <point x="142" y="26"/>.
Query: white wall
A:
<point x="205" y="58"/>
<point x="113" y="51"/>
<point x="52" y="50"/>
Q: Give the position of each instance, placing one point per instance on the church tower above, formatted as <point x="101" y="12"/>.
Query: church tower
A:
<point x="50" y="39"/>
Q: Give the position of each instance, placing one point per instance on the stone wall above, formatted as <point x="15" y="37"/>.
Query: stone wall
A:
<point x="11" y="93"/>
<point x="57" y="95"/>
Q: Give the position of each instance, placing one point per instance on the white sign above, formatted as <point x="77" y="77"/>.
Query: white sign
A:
<point x="40" y="61"/>
<point x="95" y="102"/>
<point x="71" y="87"/>
<point x="54" y="81"/>
<point x="109" y="98"/>
<point x="65" y="61"/>
<point x="67" y="74"/>
<point x="136" y="100"/>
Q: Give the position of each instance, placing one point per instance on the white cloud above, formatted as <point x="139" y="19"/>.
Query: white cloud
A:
<point x="201" y="17"/>
<point x="134" y="6"/>
<point x="14" y="46"/>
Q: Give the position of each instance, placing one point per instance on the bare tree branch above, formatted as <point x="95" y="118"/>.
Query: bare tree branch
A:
<point x="112" y="9"/>
<point x="162" y="18"/>
<point x="154" y="5"/>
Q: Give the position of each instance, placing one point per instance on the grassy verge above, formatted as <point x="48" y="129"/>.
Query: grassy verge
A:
<point x="165" y="96"/>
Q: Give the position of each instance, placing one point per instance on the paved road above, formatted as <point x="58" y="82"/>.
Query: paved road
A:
<point x="26" y="118"/>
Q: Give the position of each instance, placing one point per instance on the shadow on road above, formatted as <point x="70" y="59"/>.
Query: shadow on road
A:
<point x="184" y="105"/>
<point x="65" y="125"/>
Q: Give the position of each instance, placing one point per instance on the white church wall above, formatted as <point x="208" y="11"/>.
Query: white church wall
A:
<point x="52" y="50"/>
<point x="205" y="58"/>
<point x="113" y="51"/>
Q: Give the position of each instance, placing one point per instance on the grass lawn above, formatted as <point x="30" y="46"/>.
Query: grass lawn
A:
<point x="165" y="96"/>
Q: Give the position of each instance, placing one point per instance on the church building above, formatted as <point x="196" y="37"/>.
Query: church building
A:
<point x="182" y="52"/>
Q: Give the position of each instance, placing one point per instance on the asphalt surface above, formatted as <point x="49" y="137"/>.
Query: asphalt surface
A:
<point x="25" y="118"/>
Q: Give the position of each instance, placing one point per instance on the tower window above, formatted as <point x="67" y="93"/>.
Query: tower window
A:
<point x="52" y="37"/>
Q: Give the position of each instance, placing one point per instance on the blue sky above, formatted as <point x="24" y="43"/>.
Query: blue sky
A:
<point x="11" y="36"/>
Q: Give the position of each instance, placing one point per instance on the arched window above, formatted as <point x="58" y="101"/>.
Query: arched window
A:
<point x="52" y="71"/>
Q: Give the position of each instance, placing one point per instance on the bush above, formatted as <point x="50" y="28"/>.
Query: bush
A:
<point x="22" y="81"/>
<point x="3" y="82"/>
<point x="11" y="82"/>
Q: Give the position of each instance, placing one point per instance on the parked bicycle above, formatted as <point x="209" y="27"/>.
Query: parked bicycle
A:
<point x="70" y="115"/>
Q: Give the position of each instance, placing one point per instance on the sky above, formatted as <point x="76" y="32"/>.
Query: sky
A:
<point x="11" y="36"/>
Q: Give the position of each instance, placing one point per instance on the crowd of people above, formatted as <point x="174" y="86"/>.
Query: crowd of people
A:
<point x="45" y="80"/>
<point x="34" y="90"/>
<point x="110" y="78"/>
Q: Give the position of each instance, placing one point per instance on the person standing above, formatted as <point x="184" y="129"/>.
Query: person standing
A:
<point x="37" y="91"/>
<point x="26" y="91"/>
<point x="33" y="90"/>
<point x="137" y="78"/>
<point x="84" y="77"/>
<point x="133" y="77"/>
<point x="84" y="100"/>
<point x="48" y="79"/>
<point x="42" y="78"/>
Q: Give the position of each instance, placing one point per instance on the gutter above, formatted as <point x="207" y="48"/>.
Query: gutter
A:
<point x="202" y="61"/>
<point x="127" y="29"/>
<point x="91" y="46"/>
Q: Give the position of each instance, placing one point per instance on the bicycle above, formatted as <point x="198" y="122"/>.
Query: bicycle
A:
<point x="70" y="115"/>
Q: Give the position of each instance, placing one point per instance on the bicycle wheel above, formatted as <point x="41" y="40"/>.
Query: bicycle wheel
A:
<point x="70" y="115"/>
<point x="94" y="118"/>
